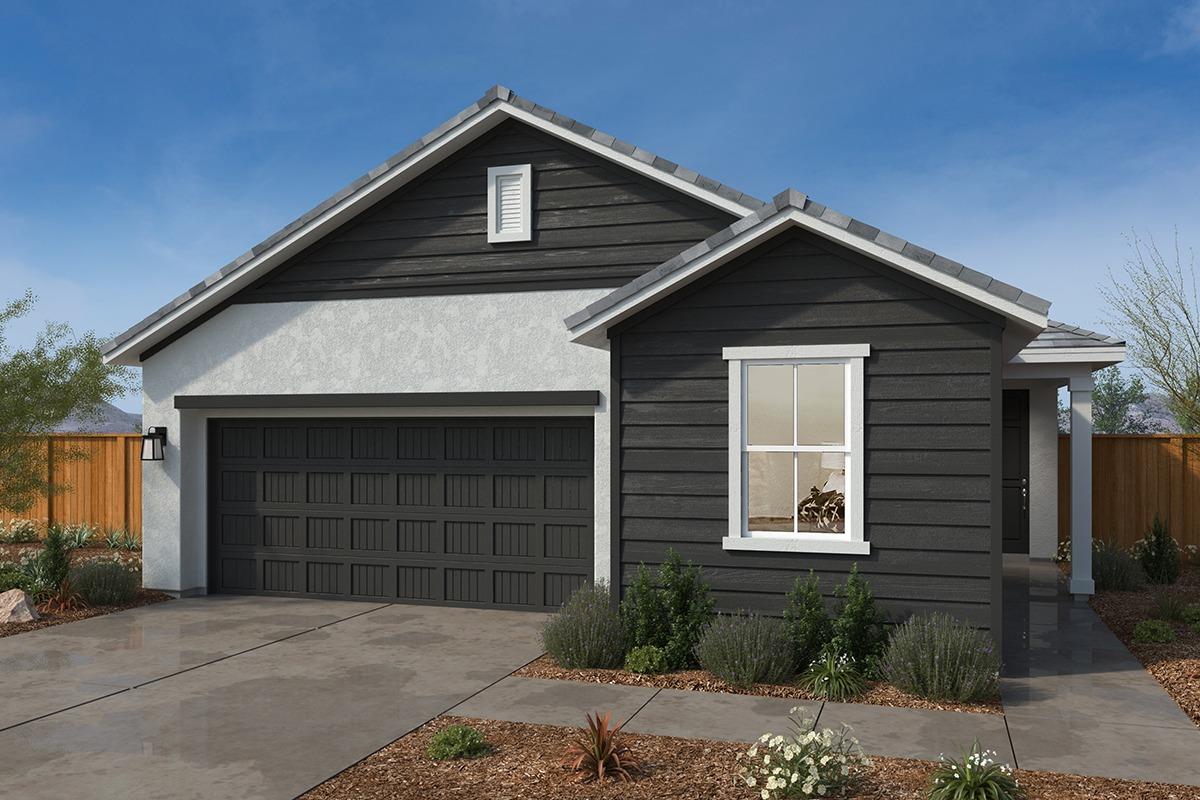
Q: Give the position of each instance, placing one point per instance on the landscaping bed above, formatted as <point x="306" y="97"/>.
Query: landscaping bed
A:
<point x="48" y="619"/>
<point x="524" y="765"/>
<point x="1175" y="665"/>
<point x="877" y="693"/>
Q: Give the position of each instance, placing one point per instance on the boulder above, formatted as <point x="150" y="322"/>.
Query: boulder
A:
<point x="15" y="607"/>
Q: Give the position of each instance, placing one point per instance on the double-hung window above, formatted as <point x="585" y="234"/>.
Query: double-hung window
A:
<point x="796" y="448"/>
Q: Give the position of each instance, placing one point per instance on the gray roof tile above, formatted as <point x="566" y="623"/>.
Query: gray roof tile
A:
<point x="791" y="199"/>
<point x="496" y="93"/>
<point x="1060" y="334"/>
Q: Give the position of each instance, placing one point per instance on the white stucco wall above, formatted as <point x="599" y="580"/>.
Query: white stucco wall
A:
<point x="460" y="343"/>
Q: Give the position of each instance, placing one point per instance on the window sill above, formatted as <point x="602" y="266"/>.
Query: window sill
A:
<point x="795" y="544"/>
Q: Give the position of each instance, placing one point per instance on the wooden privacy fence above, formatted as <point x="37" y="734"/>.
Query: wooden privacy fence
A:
<point x="1132" y="478"/>
<point x="104" y="490"/>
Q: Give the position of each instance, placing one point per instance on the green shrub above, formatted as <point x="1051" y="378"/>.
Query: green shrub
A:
<point x="457" y="741"/>
<point x="54" y="559"/>
<point x="833" y="676"/>
<point x="13" y="578"/>
<point x="745" y="649"/>
<point x="806" y="619"/>
<point x="105" y="583"/>
<point x="689" y="609"/>
<point x="1170" y="606"/>
<point x="646" y="660"/>
<point x="1153" y="631"/>
<point x="1114" y="570"/>
<point x="858" y="630"/>
<point x="1159" y="554"/>
<point x="807" y="763"/>
<point x="1191" y="614"/>
<point x="643" y="613"/>
<point x="975" y="776"/>
<point x="586" y="633"/>
<point x="936" y="657"/>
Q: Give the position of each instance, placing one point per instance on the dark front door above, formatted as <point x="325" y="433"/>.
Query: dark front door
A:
<point x="476" y="512"/>
<point x="1016" y="471"/>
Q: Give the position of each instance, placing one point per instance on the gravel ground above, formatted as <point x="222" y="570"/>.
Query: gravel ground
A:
<point x="1176" y="665"/>
<point x="524" y="765"/>
<point x="880" y="694"/>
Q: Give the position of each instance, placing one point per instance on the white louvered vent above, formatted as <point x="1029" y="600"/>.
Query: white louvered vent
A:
<point x="510" y="204"/>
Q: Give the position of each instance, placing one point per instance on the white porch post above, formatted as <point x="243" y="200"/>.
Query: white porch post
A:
<point x="1081" y="485"/>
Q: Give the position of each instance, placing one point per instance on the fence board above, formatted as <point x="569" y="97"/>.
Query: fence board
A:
<point x="104" y="490"/>
<point x="1134" y="477"/>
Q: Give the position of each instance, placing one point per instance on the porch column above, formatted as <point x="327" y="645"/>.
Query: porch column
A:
<point x="1081" y="485"/>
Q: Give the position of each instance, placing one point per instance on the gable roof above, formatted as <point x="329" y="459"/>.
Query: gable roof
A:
<point x="497" y="104"/>
<point x="1062" y="334"/>
<point x="795" y="208"/>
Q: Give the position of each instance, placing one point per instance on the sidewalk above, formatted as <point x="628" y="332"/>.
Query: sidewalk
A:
<point x="1076" y="701"/>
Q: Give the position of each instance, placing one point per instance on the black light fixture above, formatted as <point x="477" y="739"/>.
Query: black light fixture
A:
<point x="152" y="444"/>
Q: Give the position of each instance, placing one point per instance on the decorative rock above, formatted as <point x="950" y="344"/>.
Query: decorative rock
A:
<point x="15" y="607"/>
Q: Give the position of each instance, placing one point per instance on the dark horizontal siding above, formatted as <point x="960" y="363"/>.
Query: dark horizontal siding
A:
<point x="929" y="425"/>
<point x="594" y="223"/>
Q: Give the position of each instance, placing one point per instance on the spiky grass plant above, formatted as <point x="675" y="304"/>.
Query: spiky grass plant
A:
<point x="975" y="776"/>
<point x="833" y="676"/>
<point x="600" y="752"/>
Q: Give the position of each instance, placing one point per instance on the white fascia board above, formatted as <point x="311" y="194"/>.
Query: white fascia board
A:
<point x="748" y="239"/>
<point x="449" y="142"/>
<point x="1070" y="355"/>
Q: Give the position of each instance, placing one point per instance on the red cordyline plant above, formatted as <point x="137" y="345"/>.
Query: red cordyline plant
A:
<point x="600" y="753"/>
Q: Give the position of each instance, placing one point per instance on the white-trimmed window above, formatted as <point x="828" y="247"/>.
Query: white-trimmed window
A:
<point x="510" y="203"/>
<point x="796" y="448"/>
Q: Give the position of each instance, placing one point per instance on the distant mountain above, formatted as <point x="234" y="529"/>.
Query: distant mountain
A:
<point x="109" y="420"/>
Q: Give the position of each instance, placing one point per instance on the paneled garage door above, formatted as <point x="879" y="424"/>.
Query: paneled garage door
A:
<point x="476" y="512"/>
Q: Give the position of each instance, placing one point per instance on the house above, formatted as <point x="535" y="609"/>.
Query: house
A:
<point x="522" y="354"/>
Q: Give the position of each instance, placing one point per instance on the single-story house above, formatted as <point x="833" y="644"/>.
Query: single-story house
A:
<point x="522" y="354"/>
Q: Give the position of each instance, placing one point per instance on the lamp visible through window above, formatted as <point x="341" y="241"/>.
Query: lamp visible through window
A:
<point x="153" y="442"/>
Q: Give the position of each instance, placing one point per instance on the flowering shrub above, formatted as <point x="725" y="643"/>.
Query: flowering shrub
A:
<point x="586" y="632"/>
<point x="18" y="531"/>
<point x="833" y="676"/>
<point x="805" y="763"/>
<point x="745" y="649"/>
<point x="1114" y="569"/>
<point x="975" y="776"/>
<point x="936" y="657"/>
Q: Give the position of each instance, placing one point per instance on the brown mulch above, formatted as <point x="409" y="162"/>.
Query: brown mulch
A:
<point x="1176" y="666"/>
<point x="524" y="765"/>
<point x="145" y="597"/>
<point x="878" y="693"/>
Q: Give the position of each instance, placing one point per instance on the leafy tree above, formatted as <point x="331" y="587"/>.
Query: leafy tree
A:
<point x="1157" y="312"/>
<point x="60" y="374"/>
<point x="1113" y="400"/>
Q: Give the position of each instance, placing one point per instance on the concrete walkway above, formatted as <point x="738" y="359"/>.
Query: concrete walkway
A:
<point x="1075" y="701"/>
<point x="236" y="697"/>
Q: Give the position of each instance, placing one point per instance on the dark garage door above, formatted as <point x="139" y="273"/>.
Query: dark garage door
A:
<point x="477" y="512"/>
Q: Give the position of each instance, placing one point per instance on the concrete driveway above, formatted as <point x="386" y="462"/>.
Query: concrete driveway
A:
<point x="236" y="697"/>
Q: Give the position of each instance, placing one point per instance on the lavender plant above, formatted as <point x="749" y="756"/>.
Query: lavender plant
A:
<point x="939" y="658"/>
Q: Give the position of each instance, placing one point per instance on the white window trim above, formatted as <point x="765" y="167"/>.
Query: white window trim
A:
<point x="525" y="234"/>
<point x="849" y="542"/>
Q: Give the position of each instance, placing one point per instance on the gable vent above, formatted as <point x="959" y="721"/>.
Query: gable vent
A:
<point x="510" y="204"/>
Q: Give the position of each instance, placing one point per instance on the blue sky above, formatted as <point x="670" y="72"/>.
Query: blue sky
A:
<point x="143" y="147"/>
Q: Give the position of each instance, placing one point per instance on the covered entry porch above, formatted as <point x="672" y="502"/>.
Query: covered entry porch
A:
<point x="1062" y="356"/>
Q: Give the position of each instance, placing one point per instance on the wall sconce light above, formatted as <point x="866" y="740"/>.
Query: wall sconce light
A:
<point x="152" y="444"/>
